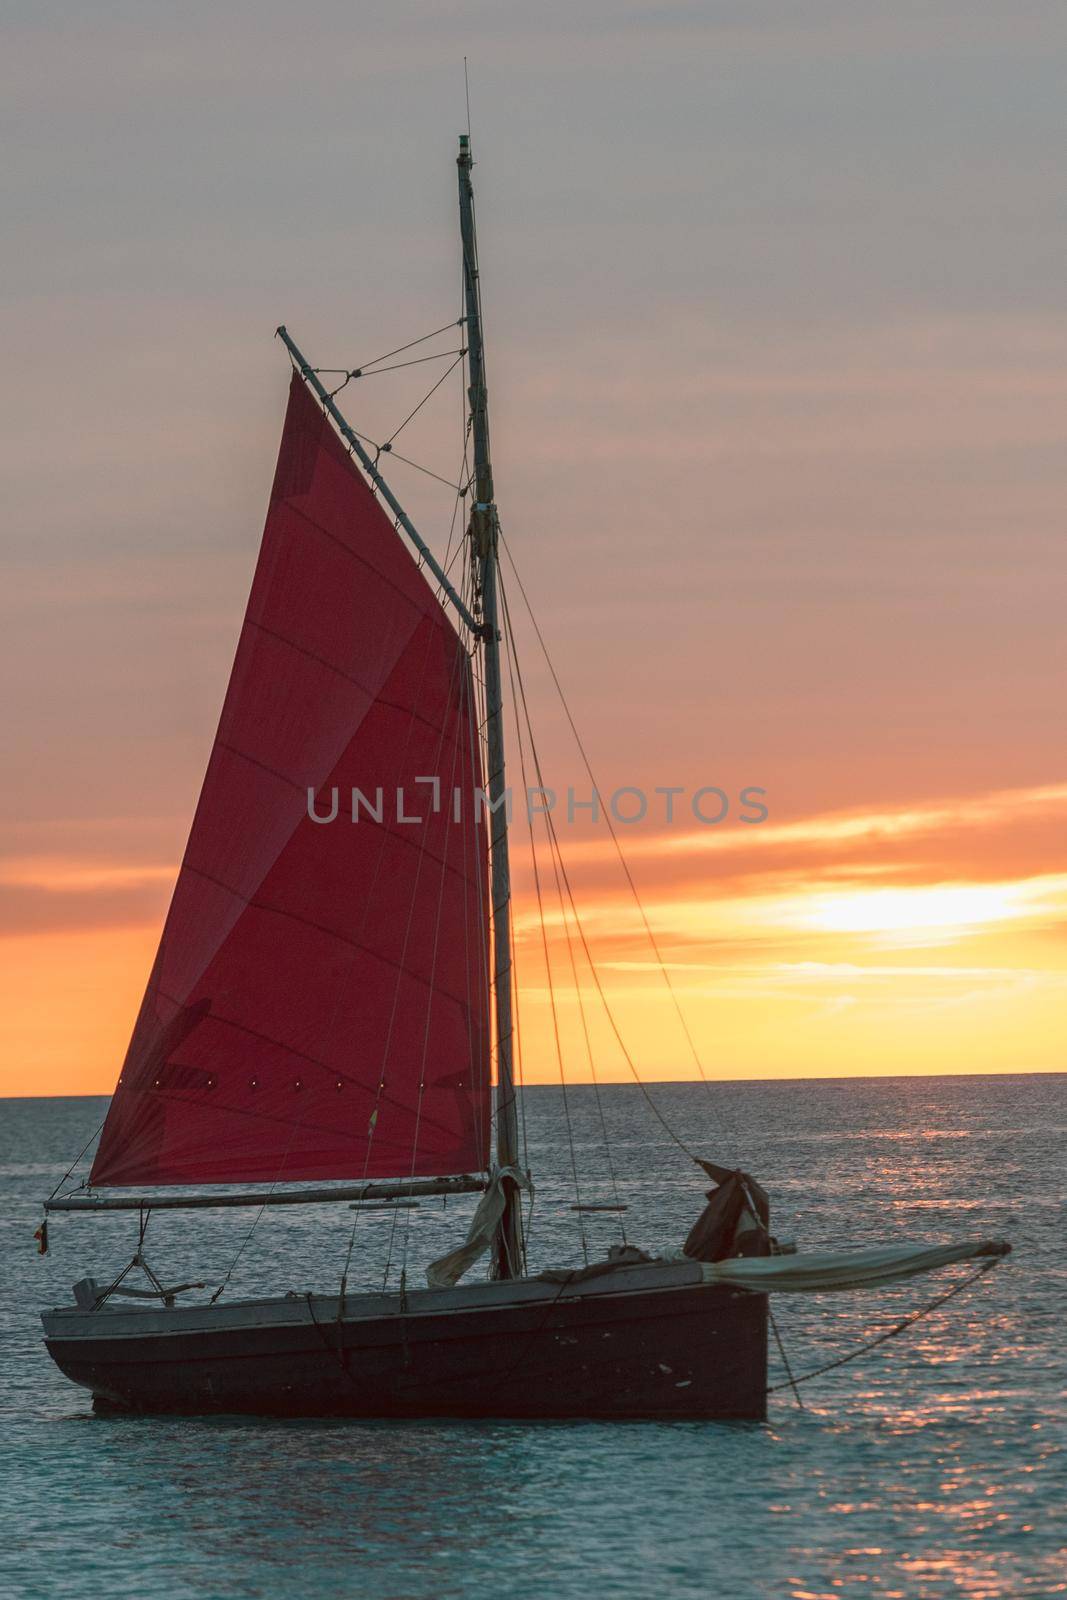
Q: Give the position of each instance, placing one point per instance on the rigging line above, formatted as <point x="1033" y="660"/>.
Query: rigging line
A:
<point x="285" y="1156"/>
<point x="388" y="449"/>
<point x="588" y="1046"/>
<point x="517" y="1036"/>
<point x="516" y="1032"/>
<point x="458" y="657"/>
<point x="475" y="1064"/>
<point x="77" y="1158"/>
<point x="399" y="351"/>
<point x="384" y="834"/>
<point x="478" y="285"/>
<point x="567" y="929"/>
<point x="481" y="900"/>
<point x="464" y="471"/>
<point x="428" y="396"/>
<point x="478" y="766"/>
<point x="526" y="1341"/>
<point x="376" y="372"/>
<point x="611" y="827"/>
<point x="456" y="553"/>
<point x="455" y="487"/>
<point x="397" y="366"/>
<point x="429" y="1002"/>
<point x="450" y="555"/>
<point x="466" y="427"/>
<point x="792" y="1382"/>
<point x="890" y="1333"/>
<point x="464" y="483"/>
<point x="513" y="653"/>
<point x="544" y="947"/>
<point x="653" y="1107"/>
<point x="372" y="1122"/>
<point x="515" y="989"/>
<point x="513" y="658"/>
<point x="258" y="1217"/>
<point x="478" y="736"/>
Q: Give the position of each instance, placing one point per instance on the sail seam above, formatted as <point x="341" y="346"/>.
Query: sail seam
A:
<point x="304" y="1124"/>
<point x="441" y="619"/>
<point x="300" y="1055"/>
<point x="375" y="698"/>
<point x="250" y="900"/>
<point x="243" y="755"/>
<point x="332" y="933"/>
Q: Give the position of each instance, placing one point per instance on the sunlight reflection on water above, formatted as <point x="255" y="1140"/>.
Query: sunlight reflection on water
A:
<point x="933" y="1468"/>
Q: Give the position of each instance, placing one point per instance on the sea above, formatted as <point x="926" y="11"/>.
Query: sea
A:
<point x="934" y="1465"/>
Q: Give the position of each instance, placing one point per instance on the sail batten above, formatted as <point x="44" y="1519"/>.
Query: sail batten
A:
<point x="318" y="1007"/>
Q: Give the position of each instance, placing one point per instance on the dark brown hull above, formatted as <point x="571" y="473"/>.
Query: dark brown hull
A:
<point x="683" y="1350"/>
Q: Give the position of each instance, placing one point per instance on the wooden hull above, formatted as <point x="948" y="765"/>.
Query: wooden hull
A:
<point x="649" y="1342"/>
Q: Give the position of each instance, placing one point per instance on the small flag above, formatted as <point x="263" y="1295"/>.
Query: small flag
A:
<point x="42" y="1238"/>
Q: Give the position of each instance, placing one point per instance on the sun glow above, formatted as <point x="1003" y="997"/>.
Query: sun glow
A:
<point x="804" y="955"/>
<point x="943" y="909"/>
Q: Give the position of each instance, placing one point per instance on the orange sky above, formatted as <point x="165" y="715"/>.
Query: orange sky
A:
<point x="926" y="939"/>
<point x="921" y="940"/>
<point x="778" y="373"/>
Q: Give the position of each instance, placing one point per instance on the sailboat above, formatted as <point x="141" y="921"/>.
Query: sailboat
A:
<point x="329" y="1015"/>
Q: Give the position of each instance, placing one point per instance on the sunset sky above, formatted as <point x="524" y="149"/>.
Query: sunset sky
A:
<point x="778" y="370"/>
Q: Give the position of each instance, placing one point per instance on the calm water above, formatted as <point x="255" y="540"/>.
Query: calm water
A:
<point x="936" y="1466"/>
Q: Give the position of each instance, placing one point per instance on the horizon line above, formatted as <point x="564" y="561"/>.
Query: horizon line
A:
<point x="681" y="1083"/>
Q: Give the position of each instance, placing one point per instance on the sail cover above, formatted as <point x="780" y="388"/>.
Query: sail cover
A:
<point x="318" y="1006"/>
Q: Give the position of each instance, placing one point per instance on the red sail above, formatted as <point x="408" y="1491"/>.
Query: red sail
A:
<point x="318" y="1007"/>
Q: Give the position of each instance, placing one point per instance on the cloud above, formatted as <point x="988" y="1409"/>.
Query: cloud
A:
<point x="41" y="895"/>
<point x="952" y="836"/>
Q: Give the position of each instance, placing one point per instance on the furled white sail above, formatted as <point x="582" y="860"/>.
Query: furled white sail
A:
<point x="820" y="1271"/>
<point x="448" y="1269"/>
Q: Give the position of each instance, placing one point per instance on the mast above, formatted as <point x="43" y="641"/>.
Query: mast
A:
<point x="483" y="534"/>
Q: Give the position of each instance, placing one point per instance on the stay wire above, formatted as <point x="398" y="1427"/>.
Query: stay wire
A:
<point x="520" y="1077"/>
<point x="450" y="554"/>
<point x="399" y="351"/>
<point x="464" y="475"/>
<point x="653" y="942"/>
<point x="388" y="445"/>
<point x="791" y="1382"/>
<point x="257" y="1219"/>
<point x="513" y="659"/>
<point x="474" y="690"/>
<point x="397" y="366"/>
<point x="460" y="656"/>
<point x="890" y="1333"/>
<point x="512" y="667"/>
<point x="372" y="1123"/>
<point x="458" y="668"/>
<point x="653" y="1107"/>
<point x="77" y="1158"/>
